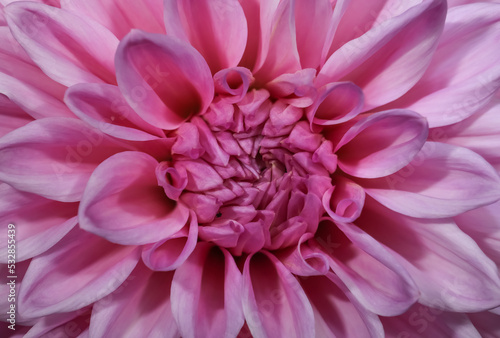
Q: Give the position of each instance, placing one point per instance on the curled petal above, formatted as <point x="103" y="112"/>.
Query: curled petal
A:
<point x="164" y="80"/>
<point x="382" y="143"/>
<point x="344" y="202"/>
<point x="124" y="204"/>
<point x="233" y="81"/>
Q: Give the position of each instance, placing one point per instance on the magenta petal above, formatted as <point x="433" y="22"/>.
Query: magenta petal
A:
<point x="46" y="223"/>
<point x="442" y="181"/>
<point x="77" y="271"/>
<point x="140" y="308"/>
<point x="391" y="57"/>
<point x="344" y="202"/>
<point x="163" y="79"/>
<point x="53" y="157"/>
<point x="169" y="254"/>
<point x="103" y="107"/>
<point x="124" y="204"/>
<point x="274" y="303"/>
<point x="12" y="116"/>
<point x="382" y="143"/>
<point x="217" y="29"/>
<point x="87" y="45"/>
<point x="206" y="294"/>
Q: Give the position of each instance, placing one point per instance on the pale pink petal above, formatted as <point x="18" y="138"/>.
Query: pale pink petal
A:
<point x="391" y="57"/>
<point x="382" y="143"/>
<point x="77" y="271"/>
<point x="371" y="273"/>
<point x="422" y="321"/>
<point x="478" y="133"/>
<point x="139" y="308"/>
<point x="464" y="73"/>
<point x="46" y="223"/>
<point x="274" y="303"/>
<point x="12" y="116"/>
<point x="336" y="103"/>
<point x="103" y="107"/>
<point x="21" y="78"/>
<point x="448" y="267"/>
<point x="169" y="254"/>
<point x="120" y="16"/>
<point x="441" y="181"/>
<point x="124" y="204"/>
<point x="216" y="28"/>
<point x="336" y="311"/>
<point x="53" y="157"/>
<point x="71" y="323"/>
<point x="82" y="49"/>
<point x="206" y="294"/>
<point x="165" y="80"/>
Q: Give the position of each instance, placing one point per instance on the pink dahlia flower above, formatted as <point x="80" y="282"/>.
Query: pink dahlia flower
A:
<point x="253" y="168"/>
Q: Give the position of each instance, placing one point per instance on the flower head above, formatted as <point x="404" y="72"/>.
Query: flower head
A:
<point x="228" y="168"/>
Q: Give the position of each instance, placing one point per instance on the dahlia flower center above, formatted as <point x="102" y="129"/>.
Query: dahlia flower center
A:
<point x="250" y="168"/>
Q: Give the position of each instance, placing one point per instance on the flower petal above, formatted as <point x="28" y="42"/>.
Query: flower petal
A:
<point x="163" y="79"/>
<point x="120" y="16"/>
<point x="382" y="143"/>
<point x="217" y="29"/>
<point x="441" y="181"/>
<point x="124" y="204"/>
<point x="391" y="57"/>
<point x="449" y="268"/>
<point x="274" y="303"/>
<point x="215" y="310"/>
<point x="103" y="107"/>
<point x="147" y="294"/>
<point x="46" y="223"/>
<point x="449" y="91"/>
<point x="82" y="49"/>
<point x="77" y="271"/>
<point x="12" y="116"/>
<point x="53" y="157"/>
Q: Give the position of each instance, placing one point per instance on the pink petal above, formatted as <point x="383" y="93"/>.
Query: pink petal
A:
<point x="312" y="23"/>
<point x="120" y="16"/>
<point x="274" y="303"/>
<point x="46" y="223"/>
<point x="336" y="311"/>
<point x="336" y="103"/>
<point x="382" y="143"/>
<point x="215" y="310"/>
<point x="389" y="58"/>
<point x="103" y="107"/>
<point x="21" y="78"/>
<point x="217" y="29"/>
<point x="140" y="308"/>
<point x="422" y="321"/>
<point x="77" y="271"/>
<point x="169" y="254"/>
<point x="61" y="324"/>
<point x="344" y="202"/>
<point x="372" y="274"/>
<point x="233" y="83"/>
<point x="446" y="264"/>
<point x="449" y="91"/>
<point x="12" y="116"/>
<point x="282" y="37"/>
<point x="441" y="181"/>
<point x="486" y="323"/>
<point x="53" y="157"/>
<point x="164" y="80"/>
<point x="86" y="55"/>
<point x="124" y="204"/>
